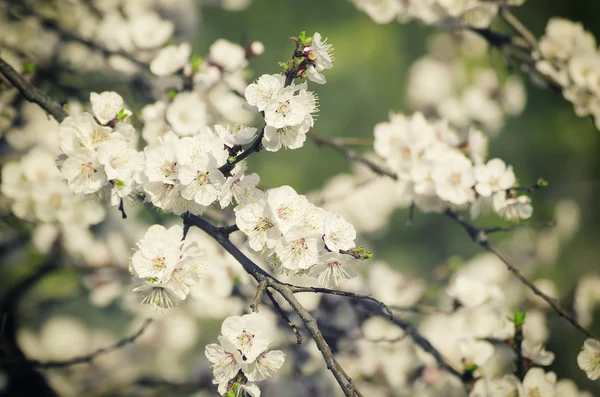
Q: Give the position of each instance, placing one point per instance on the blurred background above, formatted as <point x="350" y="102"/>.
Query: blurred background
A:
<point x="370" y="79"/>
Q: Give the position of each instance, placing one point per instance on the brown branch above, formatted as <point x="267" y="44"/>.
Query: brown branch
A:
<point x="262" y="286"/>
<point x="32" y="93"/>
<point x="285" y="290"/>
<point x="479" y="236"/>
<point x="296" y="289"/>
<point x="284" y="317"/>
<point x="518" y="27"/>
<point x="90" y="357"/>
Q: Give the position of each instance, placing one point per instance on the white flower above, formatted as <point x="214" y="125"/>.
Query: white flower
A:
<point x="299" y="248"/>
<point x="83" y="172"/>
<point x="257" y="222"/>
<point x="227" y="55"/>
<point x="202" y="179"/>
<point x="589" y="358"/>
<point x="265" y="365"/>
<point x="261" y="93"/>
<point x="338" y="233"/>
<point x="240" y="187"/>
<point x="287" y="109"/>
<point x="164" y="266"/>
<point x="333" y="268"/>
<point x="233" y="135"/>
<point x="149" y="30"/>
<point x="106" y="106"/>
<point x="539" y="384"/>
<point x="493" y="177"/>
<point x="186" y="114"/>
<point x="82" y="131"/>
<point x="320" y="53"/>
<point x="119" y="161"/>
<point x="475" y="352"/>
<point x="161" y="160"/>
<point x="471" y="292"/>
<point x="453" y="179"/>
<point x="536" y="353"/>
<point x="171" y="59"/>
<point x="248" y="334"/>
<point x="287" y="206"/>
<point x="226" y="360"/>
<point x="512" y="208"/>
<point x="289" y="137"/>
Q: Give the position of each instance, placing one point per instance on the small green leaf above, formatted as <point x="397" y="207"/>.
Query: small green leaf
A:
<point x="231" y="159"/>
<point x="235" y="387"/>
<point x="196" y="62"/>
<point x="29" y="67"/>
<point x="171" y="94"/>
<point x="119" y="182"/>
<point x="519" y="318"/>
<point x="302" y="37"/>
<point x="471" y="368"/>
<point x="542" y="182"/>
<point x="121" y="115"/>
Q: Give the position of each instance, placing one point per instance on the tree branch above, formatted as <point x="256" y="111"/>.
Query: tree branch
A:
<point x="32" y="93"/>
<point x="90" y="357"/>
<point x="478" y="235"/>
<point x="285" y="317"/>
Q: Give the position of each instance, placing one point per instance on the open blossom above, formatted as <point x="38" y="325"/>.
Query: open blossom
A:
<point x="82" y="131"/>
<point x="243" y="346"/>
<point x="149" y="30"/>
<point x="202" y="179"/>
<point x="106" y="106"/>
<point x="512" y="208"/>
<point x="260" y="93"/>
<point x="83" y="172"/>
<point x="233" y="135"/>
<point x="493" y="177"/>
<point x="338" y="233"/>
<point x="164" y="266"/>
<point x="320" y="55"/>
<point x="240" y="187"/>
<point x="257" y="222"/>
<point x="287" y="109"/>
<point x="538" y="383"/>
<point x="287" y="206"/>
<point x="299" y="248"/>
<point x="289" y="137"/>
<point x="589" y="358"/>
<point x="227" y="55"/>
<point x="333" y="268"/>
<point x="171" y="59"/>
<point x="453" y="179"/>
<point x="186" y="114"/>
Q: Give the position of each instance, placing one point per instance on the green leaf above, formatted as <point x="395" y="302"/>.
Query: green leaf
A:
<point x="119" y="182"/>
<point x="471" y="368"/>
<point x="542" y="182"/>
<point x="171" y="94"/>
<point x="302" y="37"/>
<point x="231" y="159"/>
<point x="196" y="62"/>
<point x="121" y="115"/>
<point x="29" y="67"/>
<point x="519" y="318"/>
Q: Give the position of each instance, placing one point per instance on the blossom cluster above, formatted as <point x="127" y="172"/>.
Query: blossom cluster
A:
<point x="476" y="13"/>
<point x="100" y="150"/>
<point x="298" y="236"/>
<point x="445" y="84"/>
<point x="165" y="266"/>
<point x="288" y="111"/>
<point x="568" y="55"/>
<point x="208" y="94"/>
<point x="243" y="355"/>
<point x="436" y="170"/>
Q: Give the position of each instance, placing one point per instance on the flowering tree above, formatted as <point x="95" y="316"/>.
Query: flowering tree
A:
<point x="302" y="306"/>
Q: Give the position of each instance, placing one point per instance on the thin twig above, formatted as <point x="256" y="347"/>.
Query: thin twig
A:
<point x="478" y="235"/>
<point x="90" y="357"/>
<point x="32" y="93"/>
<point x="285" y="290"/>
<point x="514" y="23"/>
<point x="285" y="317"/>
<point x="296" y="289"/>
<point x="262" y="286"/>
<point x="538" y="225"/>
